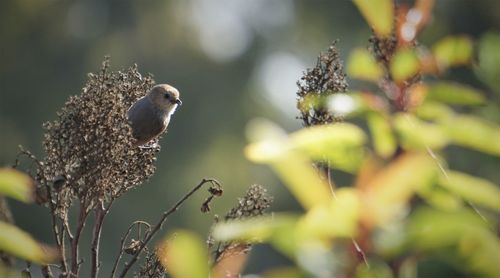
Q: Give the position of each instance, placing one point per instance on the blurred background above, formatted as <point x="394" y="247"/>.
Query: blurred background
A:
<point x="232" y="60"/>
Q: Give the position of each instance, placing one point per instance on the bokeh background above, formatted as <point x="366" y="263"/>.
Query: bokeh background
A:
<point x="232" y="60"/>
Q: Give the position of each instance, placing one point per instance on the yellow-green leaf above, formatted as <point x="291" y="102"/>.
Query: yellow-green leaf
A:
<point x="379" y="14"/>
<point x="489" y="60"/>
<point x="432" y="110"/>
<point x="455" y="93"/>
<point x="184" y="255"/>
<point x="404" y="64"/>
<point x="475" y="133"/>
<point x="362" y="65"/>
<point x="20" y="244"/>
<point x="453" y="51"/>
<point x="476" y="190"/>
<point x="16" y="185"/>
<point x="383" y="137"/>
<point x="339" y="144"/>
<point x="419" y="135"/>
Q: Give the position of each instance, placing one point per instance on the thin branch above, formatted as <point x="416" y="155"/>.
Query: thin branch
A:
<point x="100" y="213"/>
<point x="158" y="226"/>
<point x="124" y="239"/>
<point x="75" y="265"/>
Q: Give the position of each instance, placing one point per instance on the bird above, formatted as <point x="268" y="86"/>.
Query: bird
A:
<point x="150" y="115"/>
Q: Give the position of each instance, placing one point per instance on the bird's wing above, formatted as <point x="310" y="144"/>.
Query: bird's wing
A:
<point x="145" y="122"/>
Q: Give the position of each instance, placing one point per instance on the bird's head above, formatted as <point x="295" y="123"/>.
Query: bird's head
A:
<point x="165" y="97"/>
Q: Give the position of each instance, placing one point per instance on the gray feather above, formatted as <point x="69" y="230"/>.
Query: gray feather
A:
<point x="146" y="120"/>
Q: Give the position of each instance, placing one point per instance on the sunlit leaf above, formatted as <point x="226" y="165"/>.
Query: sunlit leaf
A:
<point x="404" y="64"/>
<point x="455" y="93"/>
<point x="416" y="134"/>
<point x="344" y="208"/>
<point x="20" y="244"/>
<point x="16" y="185"/>
<point x="473" y="189"/>
<point x="232" y="260"/>
<point x="389" y="191"/>
<point x="440" y="198"/>
<point x="489" y="60"/>
<point x="340" y="144"/>
<point x="184" y="255"/>
<point x="453" y="51"/>
<point x="379" y="14"/>
<point x="463" y="233"/>
<point x="362" y="65"/>
<point x="383" y="137"/>
<point x="475" y="133"/>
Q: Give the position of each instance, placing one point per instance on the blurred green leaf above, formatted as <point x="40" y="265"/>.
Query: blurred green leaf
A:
<point x="432" y="110"/>
<point x="404" y="64"/>
<point x="475" y="133"/>
<point x="6" y="272"/>
<point x="383" y="137"/>
<point x="345" y="209"/>
<point x="417" y="134"/>
<point x="19" y="243"/>
<point x="462" y="233"/>
<point x="16" y="185"/>
<point x="340" y="144"/>
<point x="453" y="51"/>
<point x="362" y="65"/>
<point x="440" y="198"/>
<point x="374" y="269"/>
<point x="388" y="192"/>
<point x="455" y="93"/>
<point x="489" y="60"/>
<point x="184" y="255"/>
<point x="379" y="14"/>
<point x="473" y="189"/>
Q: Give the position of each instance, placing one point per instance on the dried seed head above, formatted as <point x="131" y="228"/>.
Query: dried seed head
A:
<point x="255" y="202"/>
<point x="91" y="145"/>
<point x="325" y="79"/>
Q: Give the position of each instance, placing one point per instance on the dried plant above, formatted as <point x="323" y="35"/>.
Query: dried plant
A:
<point x="325" y="79"/>
<point x="229" y="257"/>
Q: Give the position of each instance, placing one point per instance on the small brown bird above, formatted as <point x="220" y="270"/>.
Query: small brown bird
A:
<point x="149" y="116"/>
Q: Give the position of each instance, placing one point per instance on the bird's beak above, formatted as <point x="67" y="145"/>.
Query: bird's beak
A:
<point x="178" y="101"/>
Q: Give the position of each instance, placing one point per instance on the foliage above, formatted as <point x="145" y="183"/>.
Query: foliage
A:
<point x="404" y="204"/>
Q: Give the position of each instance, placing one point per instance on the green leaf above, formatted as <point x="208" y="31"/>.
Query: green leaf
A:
<point x="16" y="185"/>
<point x="19" y="243"/>
<point x="10" y="273"/>
<point x="475" y="133"/>
<point x="375" y="268"/>
<point x="454" y="93"/>
<point x="404" y="64"/>
<point x="473" y="189"/>
<point x="379" y="14"/>
<point x="418" y="135"/>
<point x="489" y="60"/>
<point x="362" y="65"/>
<point x="340" y="144"/>
<point x="383" y="137"/>
<point x="461" y="233"/>
<point x="184" y="255"/>
<point x="453" y="51"/>
<point x="436" y="111"/>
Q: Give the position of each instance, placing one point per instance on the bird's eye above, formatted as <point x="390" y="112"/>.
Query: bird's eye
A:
<point x="167" y="96"/>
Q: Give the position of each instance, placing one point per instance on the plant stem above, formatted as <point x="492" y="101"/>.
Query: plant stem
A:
<point x="100" y="213"/>
<point x="158" y="226"/>
<point x="75" y="265"/>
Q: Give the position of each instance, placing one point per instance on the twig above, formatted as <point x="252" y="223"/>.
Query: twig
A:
<point x="158" y="226"/>
<point x="100" y="213"/>
<point x="75" y="265"/>
<point x="124" y="239"/>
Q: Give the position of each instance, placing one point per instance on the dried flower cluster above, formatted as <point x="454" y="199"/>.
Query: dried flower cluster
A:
<point x="152" y="267"/>
<point x="89" y="148"/>
<point x="255" y="203"/>
<point x="325" y="79"/>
